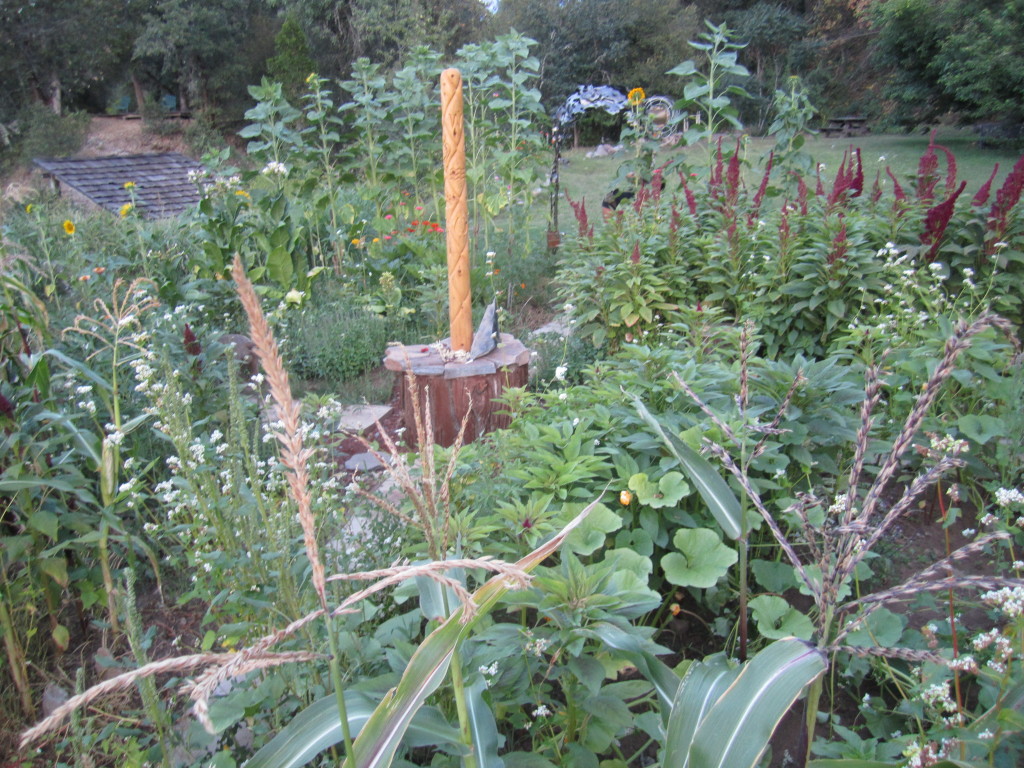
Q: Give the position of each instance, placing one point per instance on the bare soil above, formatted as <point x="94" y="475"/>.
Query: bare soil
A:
<point x="121" y="136"/>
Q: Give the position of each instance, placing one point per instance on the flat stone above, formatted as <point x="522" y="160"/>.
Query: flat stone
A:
<point x="481" y="367"/>
<point x="363" y="462"/>
<point x="426" y="361"/>
<point x="559" y="326"/>
<point x="356" y="418"/>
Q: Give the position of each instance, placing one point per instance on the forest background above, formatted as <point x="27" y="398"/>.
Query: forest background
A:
<point x="901" y="63"/>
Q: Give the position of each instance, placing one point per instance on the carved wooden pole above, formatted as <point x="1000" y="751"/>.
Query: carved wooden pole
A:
<point x="460" y="309"/>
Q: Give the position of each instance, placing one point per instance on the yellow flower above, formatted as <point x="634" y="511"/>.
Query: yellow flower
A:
<point x="28" y="208"/>
<point x="129" y="185"/>
<point x="625" y="497"/>
<point x="311" y="78"/>
<point x="376" y="239"/>
<point x="243" y="193"/>
<point x="636" y="97"/>
<point x="126" y="209"/>
<point x="69" y="226"/>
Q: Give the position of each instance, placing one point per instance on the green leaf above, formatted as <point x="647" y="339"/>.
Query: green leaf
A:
<point x="882" y="628"/>
<point x="702" y="685"/>
<point x="667" y="492"/>
<point x="850" y="763"/>
<point x="773" y="576"/>
<point x="483" y="727"/>
<point x="45" y="522"/>
<point x="279" y="266"/>
<point x="777" y="619"/>
<point x="61" y="637"/>
<point x="736" y="731"/>
<point x="377" y="743"/>
<point x="526" y="760"/>
<point x="701" y="561"/>
<point x="981" y="428"/>
<point x="715" y="492"/>
<point x="54" y="567"/>
<point x="591" y="534"/>
<point x="318" y="727"/>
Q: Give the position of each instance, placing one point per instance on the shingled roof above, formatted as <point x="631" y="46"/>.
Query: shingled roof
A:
<point x="162" y="187"/>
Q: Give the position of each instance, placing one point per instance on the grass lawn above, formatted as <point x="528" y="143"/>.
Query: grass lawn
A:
<point x="591" y="177"/>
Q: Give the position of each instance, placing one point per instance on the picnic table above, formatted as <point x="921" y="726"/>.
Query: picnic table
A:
<point x="849" y="125"/>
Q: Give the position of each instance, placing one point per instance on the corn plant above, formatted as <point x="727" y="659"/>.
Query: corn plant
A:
<point x="838" y="536"/>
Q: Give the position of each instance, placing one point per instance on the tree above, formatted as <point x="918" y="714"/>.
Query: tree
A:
<point x="772" y="33"/>
<point x="340" y="31"/>
<point x="54" y="49"/>
<point x="624" y="43"/>
<point x="293" y="62"/>
<point x="965" y="56"/>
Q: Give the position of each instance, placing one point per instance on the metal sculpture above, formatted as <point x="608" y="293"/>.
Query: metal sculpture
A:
<point x="587" y="97"/>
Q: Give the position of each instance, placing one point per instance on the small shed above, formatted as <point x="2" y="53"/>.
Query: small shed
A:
<point x="160" y="187"/>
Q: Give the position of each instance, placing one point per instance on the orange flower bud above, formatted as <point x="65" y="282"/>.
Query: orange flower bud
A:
<point x="625" y="497"/>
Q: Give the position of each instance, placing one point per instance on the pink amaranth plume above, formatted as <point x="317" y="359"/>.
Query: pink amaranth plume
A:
<point x="935" y="222"/>
<point x="981" y="196"/>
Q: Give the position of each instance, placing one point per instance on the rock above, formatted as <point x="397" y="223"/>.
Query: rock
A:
<point x="358" y="418"/>
<point x="53" y="697"/>
<point x="363" y="462"/>
<point x="486" y="337"/>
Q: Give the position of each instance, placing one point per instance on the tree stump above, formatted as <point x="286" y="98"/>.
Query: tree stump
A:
<point x="448" y="391"/>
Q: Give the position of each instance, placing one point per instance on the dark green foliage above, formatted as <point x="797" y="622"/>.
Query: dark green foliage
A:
<point x="293" y="63"/>
<point x="625" y="44"/>
<point x="336" y="342"/>
<point x="944" y="55"/>
<point x="41" y="133"/>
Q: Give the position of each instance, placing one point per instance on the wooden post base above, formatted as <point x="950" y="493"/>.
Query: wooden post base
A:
<point x="448" y="391"/>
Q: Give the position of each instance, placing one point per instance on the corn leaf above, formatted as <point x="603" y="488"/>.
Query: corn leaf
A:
<point x="382" y="734"/>
<point x="702" y="685"/>
<point x="736" y="731"/>
<point x="318" y="727"/>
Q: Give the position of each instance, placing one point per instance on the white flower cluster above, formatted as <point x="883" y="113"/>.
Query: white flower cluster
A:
<point x="275" y="168"/>
<point x="1002" y="648"/>
<point x="1009" y="601"/>
<point x="948" y="445"/>
<point x="1007" y="496"/>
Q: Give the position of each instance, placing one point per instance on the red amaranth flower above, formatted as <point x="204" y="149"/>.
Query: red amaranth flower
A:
<point x="981" y="196"/>
<point x="857" y="182"/>
<point x="950" y="168"/>
<point x="839" y="244"/>
<point x="801" y="193"/>
<point x="715" y="182"/>
<point x="190" y="342"/>
<point x="935" y="222"/>
<point x="635" y="256"/>
<point x="897" y="190"/>
<point x="657" y="183"/>
<point x="876" y="188"/>
<point x="755" y="208"/>
<point x="580" y="210"/>
<point x="732" y="177"/>
<point x="784" y="229"/>
<point x="691" y="201"/>
<point x="6" y="407"/>
<point x="928" y="172"/>
<point x="1006" y="198"/>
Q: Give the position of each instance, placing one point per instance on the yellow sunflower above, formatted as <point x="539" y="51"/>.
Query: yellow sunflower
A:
<point x="69" y="226"/>
<point x="636" y="97"/>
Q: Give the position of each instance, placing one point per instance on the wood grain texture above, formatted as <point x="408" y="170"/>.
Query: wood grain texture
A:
<point x="460" y="308"/>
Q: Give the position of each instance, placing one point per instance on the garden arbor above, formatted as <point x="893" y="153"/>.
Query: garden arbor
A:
<point x="660" y="110"/>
